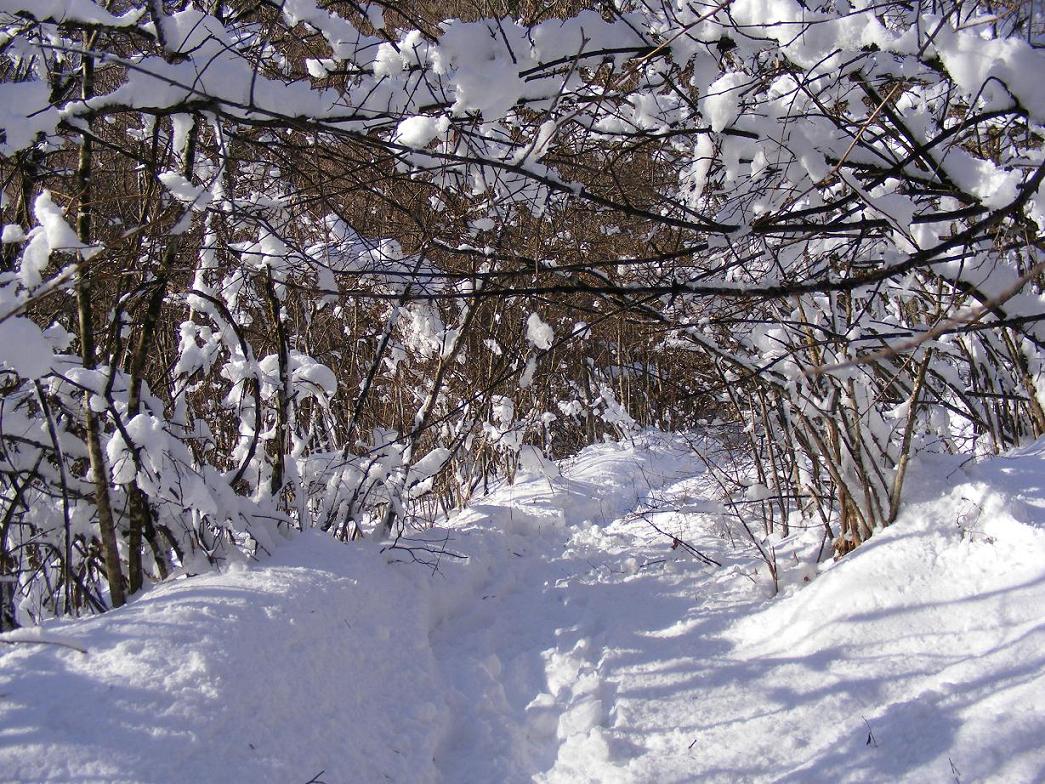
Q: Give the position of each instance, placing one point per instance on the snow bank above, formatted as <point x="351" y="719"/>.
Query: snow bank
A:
<point x="315" y="661"/>
<point x="924" y="650"/>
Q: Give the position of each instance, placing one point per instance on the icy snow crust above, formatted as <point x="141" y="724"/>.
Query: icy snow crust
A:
<point x="573" y="645"/>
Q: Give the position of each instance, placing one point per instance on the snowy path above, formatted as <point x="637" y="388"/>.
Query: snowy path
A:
<point x="572" y="646"/>
<point x="577" y="589"/>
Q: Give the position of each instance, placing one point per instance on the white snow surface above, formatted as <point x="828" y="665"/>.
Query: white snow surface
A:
<point x="574" y="644"/>
<point x="418" y="131"/>
<point x="539" y="333"/>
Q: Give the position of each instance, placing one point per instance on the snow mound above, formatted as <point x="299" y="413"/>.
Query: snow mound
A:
<point x="925" y="647"/>
<point x="269" y="674"/>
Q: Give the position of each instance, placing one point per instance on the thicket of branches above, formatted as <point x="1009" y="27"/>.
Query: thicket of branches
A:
<point x="286" y="263"/>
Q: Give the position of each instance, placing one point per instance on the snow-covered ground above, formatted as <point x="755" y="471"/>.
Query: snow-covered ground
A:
<point x="573" y="644"/>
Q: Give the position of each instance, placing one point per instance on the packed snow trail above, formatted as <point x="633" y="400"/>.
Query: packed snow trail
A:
<point x="564" y="580"/>
<point x="574" y="644"/>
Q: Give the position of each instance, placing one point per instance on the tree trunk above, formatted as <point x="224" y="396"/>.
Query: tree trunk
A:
<point x="99" y="471"/>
